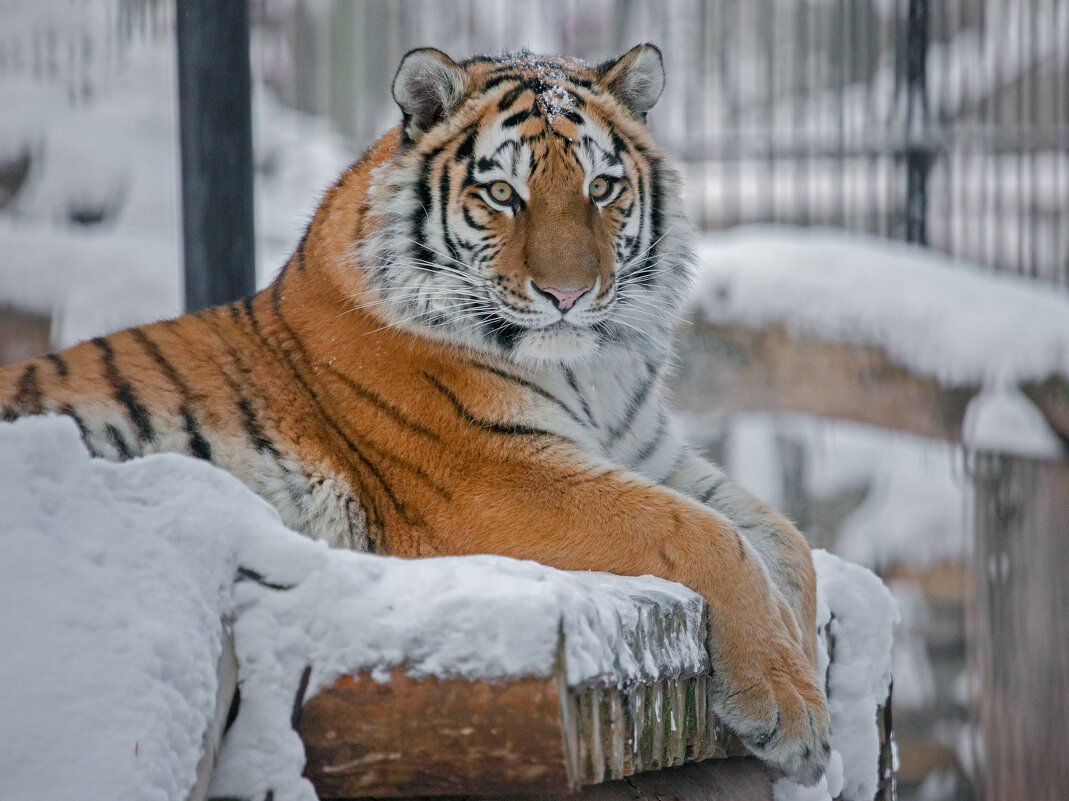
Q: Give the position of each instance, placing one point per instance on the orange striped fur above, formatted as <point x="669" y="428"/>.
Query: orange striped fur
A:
<point x="371" y="433"/>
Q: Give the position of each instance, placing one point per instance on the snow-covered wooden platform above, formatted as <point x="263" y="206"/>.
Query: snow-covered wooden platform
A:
<point x="168" y="584"/>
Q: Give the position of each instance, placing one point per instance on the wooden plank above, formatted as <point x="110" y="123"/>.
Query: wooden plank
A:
<point x="729" y="369"/>
<point x="741" y="779"/>
<point x="407" y="736"/>
<point x="1019" y="624"/>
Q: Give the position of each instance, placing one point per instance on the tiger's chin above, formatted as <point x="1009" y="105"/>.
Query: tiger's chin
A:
<point x="555" y="344"/>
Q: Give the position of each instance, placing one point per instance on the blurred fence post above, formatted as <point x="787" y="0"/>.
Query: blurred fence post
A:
<point x="215" y="119"/>
<point x="918" y="147"/>
<point x="1020" y="627"/>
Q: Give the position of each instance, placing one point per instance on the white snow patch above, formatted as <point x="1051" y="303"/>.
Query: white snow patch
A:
<point x="862" y="613"/>
<point x="117" y="578"/>
<point x="941" y="318"/>
<point x="1002" y="419"/>
<point x="111" y="601"/>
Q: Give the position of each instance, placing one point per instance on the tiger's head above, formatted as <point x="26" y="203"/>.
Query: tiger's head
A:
<point x="527" y="211"/>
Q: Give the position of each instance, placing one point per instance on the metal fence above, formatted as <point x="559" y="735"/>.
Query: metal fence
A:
<point x="944" y="122"/>
<point x="941" y="121"/>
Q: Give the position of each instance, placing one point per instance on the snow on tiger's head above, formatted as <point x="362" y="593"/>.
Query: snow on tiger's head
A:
<point x="527" y="211"/>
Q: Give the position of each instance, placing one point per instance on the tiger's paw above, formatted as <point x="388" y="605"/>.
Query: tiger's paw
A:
<point x="780" y="713"/>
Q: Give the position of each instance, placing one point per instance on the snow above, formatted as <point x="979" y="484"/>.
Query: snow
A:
<point x="126" y="572"/>
<point x="956" y="323"/>
<point x="117" y="156"/>
<point x="860" y="613"/>
<point x="915" y="489"/>
<point x="1002" y="420"/>
<point x="111" y="622"/>
<point x="117" y="579"/>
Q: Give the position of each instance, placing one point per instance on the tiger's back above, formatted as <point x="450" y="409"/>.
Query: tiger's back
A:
<point x="466" y="354"/>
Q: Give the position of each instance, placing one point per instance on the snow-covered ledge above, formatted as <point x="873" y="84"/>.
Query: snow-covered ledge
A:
<point x="855" y="327"/>
<point x="117" y="579"/>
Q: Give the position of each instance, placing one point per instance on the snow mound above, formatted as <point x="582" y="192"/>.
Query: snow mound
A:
<point x="117" y="579"/>
<point x="957" y="323"/>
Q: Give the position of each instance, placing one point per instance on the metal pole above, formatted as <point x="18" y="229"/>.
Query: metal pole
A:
<point x="918" y="155"/>
<point x="214" y="91"/>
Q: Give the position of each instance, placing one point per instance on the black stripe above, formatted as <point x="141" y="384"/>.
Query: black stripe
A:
<point x="423" y="212"/>
<point x="198" y="445"/>
<point x="493" y="426"/>
<point x="711" y="491"/>
<point x="386" y="406"/>
<point x="568" y="114"/>
<point x="119" y="441"/>
<point x="635" y="404"/>
<point x="647" y="450"/>
<point x="523" y="382"/>
<point x="470" y="220"/>
<point x="497" y="80"/>
<point x="382" y="454"/>
<point x="295" y="371"/>
<point x="28" y="395"/>
<point x="68" y="411"/>
<point x="62" y="368"/>
<point x="510" y="97"/>
<point x="467" y="146"/>
<point x="299" y="253"/>
<point x="573" y="382"/>
<point x="443" y="205"/>
<point x="249" y="419"/>
<point x="507" y="334"/>
<point x="656" y="210"/>
<point x="520" y="116"/>
<point x="124" y="393"/>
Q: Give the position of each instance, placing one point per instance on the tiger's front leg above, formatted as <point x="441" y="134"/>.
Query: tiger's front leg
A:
<point x="554" y="506"/>
<point x="780" y="545"/>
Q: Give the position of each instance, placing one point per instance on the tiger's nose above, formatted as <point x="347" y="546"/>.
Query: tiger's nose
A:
<point x="563" y="299"/>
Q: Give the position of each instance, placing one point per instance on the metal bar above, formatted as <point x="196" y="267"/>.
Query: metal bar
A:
<point x="918" y="158"/>
<point x="214" y="90"/>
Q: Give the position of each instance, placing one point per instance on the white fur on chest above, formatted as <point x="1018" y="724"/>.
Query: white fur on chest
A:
<point x="615" y="408"/>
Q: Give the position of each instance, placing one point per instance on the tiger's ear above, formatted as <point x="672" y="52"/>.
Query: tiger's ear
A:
<point x="428" y="86"/>
<point x="636" y="78"/>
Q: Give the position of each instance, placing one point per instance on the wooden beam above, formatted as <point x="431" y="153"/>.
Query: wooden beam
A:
<point x="409" y="737"/>
<point x="730" y="369"/>
<point x="1019" y="646"/>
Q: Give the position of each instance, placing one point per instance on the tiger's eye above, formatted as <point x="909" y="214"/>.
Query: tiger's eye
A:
<point x="599" y="187"/>
<point x="501" y="191"/>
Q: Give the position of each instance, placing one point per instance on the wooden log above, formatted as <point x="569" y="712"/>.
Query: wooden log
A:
<point x="407" y="737"/>
<point x="1019" y="625"/>
<point x="400" y="736"/>
<point x="732" y="368"/>
<point x="434" y="736"/>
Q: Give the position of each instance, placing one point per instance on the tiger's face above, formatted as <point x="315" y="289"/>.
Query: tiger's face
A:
<point x="528" y="211"/>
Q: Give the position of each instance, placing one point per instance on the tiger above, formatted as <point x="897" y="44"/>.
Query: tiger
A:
<point x="467" y="353"/>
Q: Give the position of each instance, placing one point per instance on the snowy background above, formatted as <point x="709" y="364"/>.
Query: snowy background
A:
<point x="784" y="124"/>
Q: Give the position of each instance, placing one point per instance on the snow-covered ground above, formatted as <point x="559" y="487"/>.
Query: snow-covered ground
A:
<point x="117" y="580"/>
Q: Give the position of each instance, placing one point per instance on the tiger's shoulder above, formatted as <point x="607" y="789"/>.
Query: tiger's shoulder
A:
<point x="465" y="280"/>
